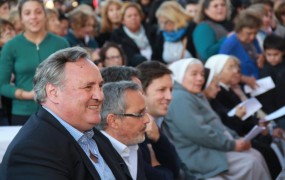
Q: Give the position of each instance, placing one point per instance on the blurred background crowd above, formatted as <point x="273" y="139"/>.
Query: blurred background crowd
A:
<point x="130" y="32"/>
<point x="241" y="40"/>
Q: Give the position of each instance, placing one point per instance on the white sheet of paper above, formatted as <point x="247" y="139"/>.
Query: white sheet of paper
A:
<point x="253" y="132"/>
<point x="264" y="85"/>
<point x="276" y="114"/>
<point x="251" y="105"/>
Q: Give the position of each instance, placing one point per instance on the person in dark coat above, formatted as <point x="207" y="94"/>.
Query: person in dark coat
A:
<point x="135" y="38"/>
<point x="228" y="69"/>
<point x="59" y="141"/>
<point x="274" y="48"/>
<point x="123" y="122"/>
<point x="160" y="160"/>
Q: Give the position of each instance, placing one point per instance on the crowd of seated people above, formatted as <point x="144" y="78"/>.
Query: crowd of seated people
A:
<point x="210" y="48"/>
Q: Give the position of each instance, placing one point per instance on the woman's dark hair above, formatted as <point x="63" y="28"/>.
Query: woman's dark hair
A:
<point x="22" y="2"/>
<point x="3" y="2"/>
<point x="109" y="45"/>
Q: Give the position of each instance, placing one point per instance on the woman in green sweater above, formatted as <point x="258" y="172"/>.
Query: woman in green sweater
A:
<point x="21" y="56"/>
<point x="213" y="27"/>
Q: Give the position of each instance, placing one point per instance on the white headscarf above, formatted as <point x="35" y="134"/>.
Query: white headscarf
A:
<point x="216" y="64"/>
<point x="178" y="68"/>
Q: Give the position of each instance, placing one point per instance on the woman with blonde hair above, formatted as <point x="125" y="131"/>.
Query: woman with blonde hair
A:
<point x="53" y="24"/>
<point x="111" y="20"/>
<point x="175" y="39"/>
<point x="213" y="27"/>
<point x="14" y="18"/>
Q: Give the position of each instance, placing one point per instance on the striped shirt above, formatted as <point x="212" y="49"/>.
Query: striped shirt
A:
<point x="88" y="145"/>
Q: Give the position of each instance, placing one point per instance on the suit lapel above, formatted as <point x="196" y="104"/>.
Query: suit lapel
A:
<point x="111" y="156"/>
<point x="46" y="116"/>
<point x="140" y="171"/>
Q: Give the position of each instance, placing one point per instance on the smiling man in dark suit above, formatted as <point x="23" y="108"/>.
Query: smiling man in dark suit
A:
<point x="59" y="141"/>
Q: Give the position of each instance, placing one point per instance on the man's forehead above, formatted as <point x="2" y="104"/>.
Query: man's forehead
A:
<point x="162" y="80"/>
<point x="130" y="99"/>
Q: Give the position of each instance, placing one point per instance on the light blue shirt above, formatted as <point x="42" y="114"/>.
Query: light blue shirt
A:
<point x="88" y="145"/>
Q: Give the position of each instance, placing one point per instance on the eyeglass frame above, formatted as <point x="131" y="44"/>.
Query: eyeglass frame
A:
<point x="136" y="115"/>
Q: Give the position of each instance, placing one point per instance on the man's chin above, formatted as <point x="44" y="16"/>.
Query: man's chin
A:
<point x="95" y="121"/>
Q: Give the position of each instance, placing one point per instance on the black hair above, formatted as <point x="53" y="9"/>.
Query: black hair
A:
<point x="3" y="2"/>
<point x="109" y="45"/>
<point x="119" y="73"/>
<point x="151" y="70"/>
<point x="273" y="41"/>
<point x="22" y="2"/>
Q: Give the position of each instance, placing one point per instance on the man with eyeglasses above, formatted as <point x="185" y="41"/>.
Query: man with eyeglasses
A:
<point x="160" y="159"/>
<point x="123" y="122"/>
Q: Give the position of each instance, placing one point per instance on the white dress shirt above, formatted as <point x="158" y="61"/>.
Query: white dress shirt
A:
<point x="128" y="153"/>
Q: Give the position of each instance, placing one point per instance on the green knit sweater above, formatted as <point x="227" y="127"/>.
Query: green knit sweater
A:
<point x="21" y="57"/>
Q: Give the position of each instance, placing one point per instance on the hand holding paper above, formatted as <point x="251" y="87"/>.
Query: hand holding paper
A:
<point x="254" y="132"/>
<point x="264" y="85"/>
<point x="240" y="111"/>
<point x="251" y="105"/>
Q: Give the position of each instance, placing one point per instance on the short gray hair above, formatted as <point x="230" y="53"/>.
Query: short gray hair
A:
<point x="114" y="99"/>
<point x="51" y="70"/>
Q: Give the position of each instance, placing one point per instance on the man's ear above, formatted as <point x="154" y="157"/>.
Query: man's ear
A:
<point x="112" y="121"/>
<point x="52" y="93"/>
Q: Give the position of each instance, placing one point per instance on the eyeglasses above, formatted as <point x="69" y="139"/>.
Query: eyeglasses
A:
<point x="162" y="24"/>
<point x="136" y="115"/>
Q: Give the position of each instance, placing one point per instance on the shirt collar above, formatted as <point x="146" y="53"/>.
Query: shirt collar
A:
<point x="76" y="134"/>
<point x="121" y="148"/>
<point x="226" y="87"/>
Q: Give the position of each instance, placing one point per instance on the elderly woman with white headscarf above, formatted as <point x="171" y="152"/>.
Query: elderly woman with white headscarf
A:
<point x="207" y="149"/>
<point x="228" y="69"/>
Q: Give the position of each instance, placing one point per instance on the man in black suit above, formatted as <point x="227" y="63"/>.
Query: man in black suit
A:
<point x="159" y="155"/>
<point x="59" y="141"/>
<point x="124" y="121"/>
